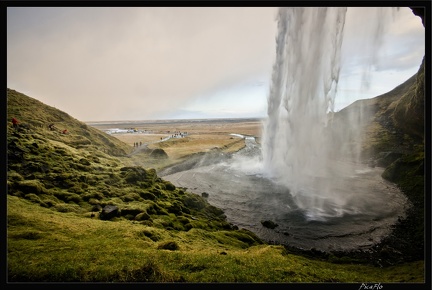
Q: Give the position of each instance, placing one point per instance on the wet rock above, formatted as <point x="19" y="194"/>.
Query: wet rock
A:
<point x="269" y="224"/>
<point x="109" y="212"/>
<point x="387" y="158"/>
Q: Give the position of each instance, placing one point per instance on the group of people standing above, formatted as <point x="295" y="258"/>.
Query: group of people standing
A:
<point x="137" y="144"/>
<point x="178" y="134"/>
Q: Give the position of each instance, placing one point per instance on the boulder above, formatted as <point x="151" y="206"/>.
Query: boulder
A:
<point x="109" y="212"/>
<point x="387" y="158"/>
<point x="269" y="224"/>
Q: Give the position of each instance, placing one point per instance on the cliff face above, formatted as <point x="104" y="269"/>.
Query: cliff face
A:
<point x="408" y="112"/>
<point x="392" y="137"/>
<point x="391" y="122"/>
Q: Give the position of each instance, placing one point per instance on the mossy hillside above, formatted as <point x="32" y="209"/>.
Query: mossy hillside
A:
<point x="37" y="116"/>
<point x="49" y="169"/>
<point x="67" y="179"/>
<point x="45" y="245"/>
<point x="162" y="233"/>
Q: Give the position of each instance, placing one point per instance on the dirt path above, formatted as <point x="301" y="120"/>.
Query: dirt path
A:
<point x="144" y="147"/>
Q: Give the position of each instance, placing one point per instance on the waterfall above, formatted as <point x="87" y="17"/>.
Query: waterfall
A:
<point x="299" y="146"/>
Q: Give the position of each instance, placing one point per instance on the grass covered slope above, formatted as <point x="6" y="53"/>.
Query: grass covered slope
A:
<point x="59" y="184"/>
<point x="38" y="116"/>
<point x="47" y="245"/>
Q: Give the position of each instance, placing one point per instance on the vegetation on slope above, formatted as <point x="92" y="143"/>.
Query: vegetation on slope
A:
<point x="45" y="245"/>
<point x="59" y="184"/>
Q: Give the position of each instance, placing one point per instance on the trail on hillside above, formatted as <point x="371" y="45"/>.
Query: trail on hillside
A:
<point x="144" y="146"/>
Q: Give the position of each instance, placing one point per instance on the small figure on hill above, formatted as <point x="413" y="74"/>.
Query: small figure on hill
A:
<point x="51" y="127"/>
<point x="140" y="143"/>
<point x="15" y="123"/>
<point x="65" y="131"/>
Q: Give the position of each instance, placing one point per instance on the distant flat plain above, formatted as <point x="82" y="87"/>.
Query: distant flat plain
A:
<point x="201" y="135"/>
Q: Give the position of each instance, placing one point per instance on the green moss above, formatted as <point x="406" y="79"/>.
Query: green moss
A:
<point x="169" y="186"/>
<point x="57" y="182"/>
<point x="147" y="195"/>
<point x="214" y="212"/>
<point x="64" y="207"/>
<point x="162" y="221"/>
<point x="48" y="200"/>
<point x="131" y="211"/>
<point x="239" y="238"/>
<point x="131" y="197"/>
<point x="142" y="216"/>
<point x="31" y="186"/>
<point x="33" y="197"/>
<point x="84" y="161"/>
<point x="183" y="220"/>
<point x="95" y="195"/>
<point x="15" y="176"/>
<point x="405" y="168"/>
<point x="28" y="235"/>
<point x="73" y="197"/>
<point x="151" y="234"/>
<point x="197" y="224"/>
<point x="194" y="201"/>
<point x="169" y="245"/>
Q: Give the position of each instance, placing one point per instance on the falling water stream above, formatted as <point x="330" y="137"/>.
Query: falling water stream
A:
<point x="304" y="176"/>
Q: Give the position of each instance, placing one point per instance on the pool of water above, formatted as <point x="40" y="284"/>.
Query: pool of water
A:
<point x="358" y="214"/>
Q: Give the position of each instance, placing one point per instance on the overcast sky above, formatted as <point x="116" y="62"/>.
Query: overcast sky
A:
<point x="142" y="63"/>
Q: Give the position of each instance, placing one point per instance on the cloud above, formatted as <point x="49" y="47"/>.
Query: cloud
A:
<point x="146" y="62"/>
<point x="134" y="62"/>
<point x="398" y="44"/>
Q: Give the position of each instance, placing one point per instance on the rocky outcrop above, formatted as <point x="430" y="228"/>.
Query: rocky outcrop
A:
<point x="269" y="224"/>
<point x="109" y="212"/>
<point x="408" y="112"/>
